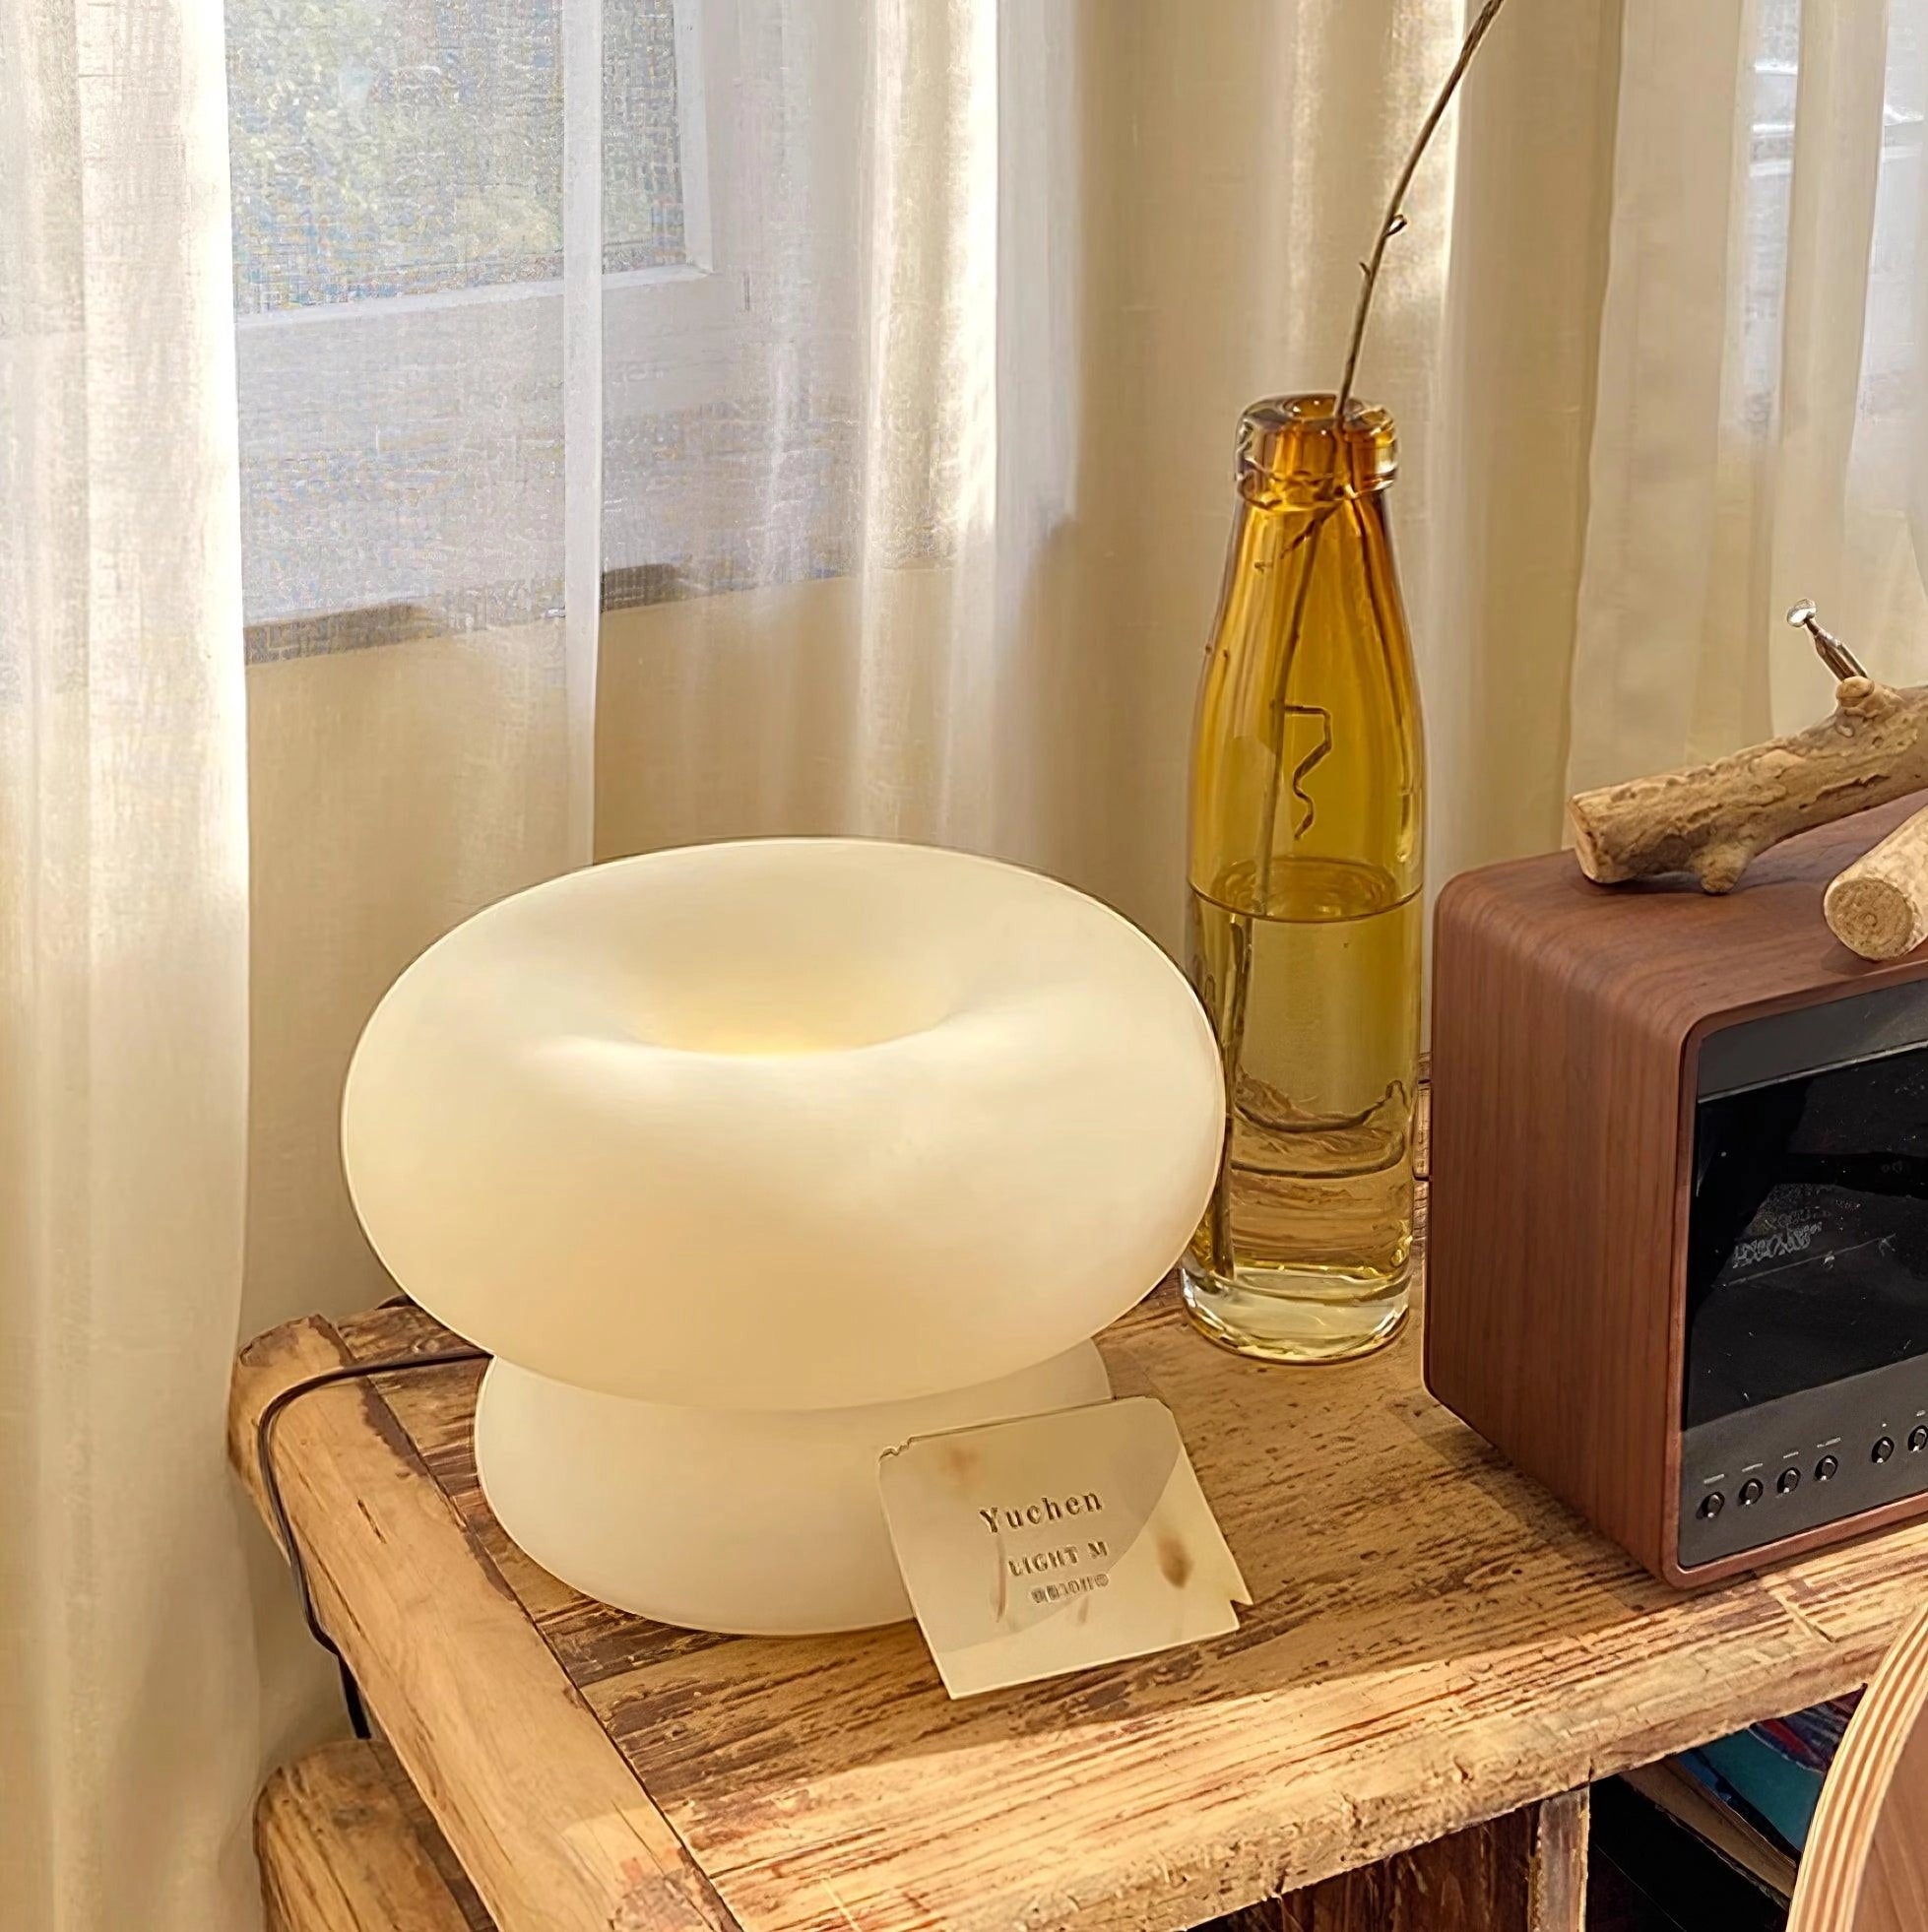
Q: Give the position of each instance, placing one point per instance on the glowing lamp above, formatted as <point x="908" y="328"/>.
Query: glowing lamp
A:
<point x="749" y="1161"/>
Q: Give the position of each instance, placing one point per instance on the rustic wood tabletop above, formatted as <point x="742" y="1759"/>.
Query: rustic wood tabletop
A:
<point x="1435" y="1642"/>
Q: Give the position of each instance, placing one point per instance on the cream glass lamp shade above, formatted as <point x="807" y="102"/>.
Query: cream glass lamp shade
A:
<point x="749" y="1161"/>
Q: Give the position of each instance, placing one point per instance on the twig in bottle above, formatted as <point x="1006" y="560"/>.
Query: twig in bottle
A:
<point x="1393" y="221"/>
<point x="1396" y="219"/>
<point x="1238" y="992"/>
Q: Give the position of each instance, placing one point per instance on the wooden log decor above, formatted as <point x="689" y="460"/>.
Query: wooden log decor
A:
<point x="1712" y="819"/>
<point x="1879" y="906"/>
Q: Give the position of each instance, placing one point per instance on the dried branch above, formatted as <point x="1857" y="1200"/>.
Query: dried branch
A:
<point x="1395" y="217"/>
<point x="1879" y="906"/>
<point x="1232" y="1043"/>
<point x="1711" y="819"/>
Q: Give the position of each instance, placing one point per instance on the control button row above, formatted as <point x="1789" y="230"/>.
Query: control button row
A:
<point x="1825" y="1471"/>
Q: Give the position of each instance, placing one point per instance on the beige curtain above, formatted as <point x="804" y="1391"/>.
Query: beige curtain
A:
<point x="1087" y="237"/>
<point x="849" y="451"/>
<point x="129" y="1698"/>
<point x="914" y="498"/>
<point x="1760" y="427"/>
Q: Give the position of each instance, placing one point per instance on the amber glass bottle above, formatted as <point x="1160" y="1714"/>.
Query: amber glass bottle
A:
<point x="1306" y="862"/>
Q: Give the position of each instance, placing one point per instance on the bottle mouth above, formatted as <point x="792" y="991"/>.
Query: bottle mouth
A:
<point x="1293" y="450"/>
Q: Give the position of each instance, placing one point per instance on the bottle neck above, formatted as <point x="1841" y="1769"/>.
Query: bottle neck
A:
<point x="1294" y="457"/>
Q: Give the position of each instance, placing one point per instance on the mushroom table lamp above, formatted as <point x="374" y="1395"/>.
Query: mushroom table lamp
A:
<point x="747" y="1162"/>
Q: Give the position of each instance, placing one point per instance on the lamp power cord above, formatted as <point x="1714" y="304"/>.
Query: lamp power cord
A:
<point x="271" y="1486"/>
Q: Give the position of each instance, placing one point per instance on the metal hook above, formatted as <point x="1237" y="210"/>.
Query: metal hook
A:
<point x="1833" y="653"/>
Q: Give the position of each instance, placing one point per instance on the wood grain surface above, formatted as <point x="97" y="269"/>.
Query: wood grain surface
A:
<point x="1526" y="1872"/>
<point x="1566" y="1020"/>
<point x="544" y="1813"/>
<point x="1436" y="1642"/>
<point x="1865" y="1868"/>
<point x="345" y="1846"/>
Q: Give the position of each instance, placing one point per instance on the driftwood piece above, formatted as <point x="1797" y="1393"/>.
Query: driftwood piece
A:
<point x="1878" y="905"/>
<point x="1711" y="819"/>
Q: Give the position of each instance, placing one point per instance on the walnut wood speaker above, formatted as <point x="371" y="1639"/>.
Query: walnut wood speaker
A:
<point x="1677" y="1253"/>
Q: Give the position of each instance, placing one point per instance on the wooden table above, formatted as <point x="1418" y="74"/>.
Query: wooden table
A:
<point x="1438" y="1654"/>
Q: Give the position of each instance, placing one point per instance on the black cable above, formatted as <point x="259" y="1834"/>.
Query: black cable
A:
<point x="264" y="1455"/>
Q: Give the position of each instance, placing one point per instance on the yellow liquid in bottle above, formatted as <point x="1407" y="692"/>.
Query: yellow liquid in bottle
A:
<point x="1305" y="1251"/>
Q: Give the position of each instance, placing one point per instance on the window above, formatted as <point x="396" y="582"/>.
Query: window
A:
<point x="407" y="146"/>
<point x="396" y="181"/>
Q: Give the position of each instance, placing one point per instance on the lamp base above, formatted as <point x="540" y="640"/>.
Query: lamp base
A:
<point x="751" y="1522"/>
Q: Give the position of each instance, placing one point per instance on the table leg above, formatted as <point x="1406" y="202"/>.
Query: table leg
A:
<point x="1526" y="1872"/>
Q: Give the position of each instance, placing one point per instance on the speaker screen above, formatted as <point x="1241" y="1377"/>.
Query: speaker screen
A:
<point x="1808" y="1236"/>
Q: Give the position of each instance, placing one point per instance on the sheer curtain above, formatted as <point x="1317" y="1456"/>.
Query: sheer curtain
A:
<point x="927" y="325"/>
<point x="617" y="426"/>
<point x="129" y="1707"/>
<point x="1017" y="270"/>
<point x="1761" y="433"/>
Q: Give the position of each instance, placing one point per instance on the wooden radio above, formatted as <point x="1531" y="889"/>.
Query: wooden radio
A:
<point x="1677" y="1266"/>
